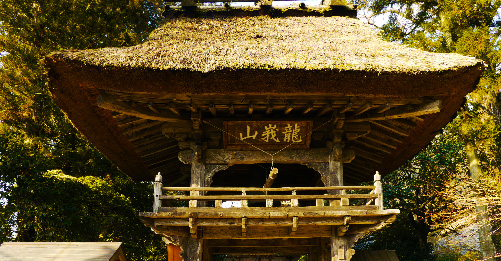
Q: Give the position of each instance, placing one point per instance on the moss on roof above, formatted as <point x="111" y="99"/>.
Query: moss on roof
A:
<point x="262" y="42"/>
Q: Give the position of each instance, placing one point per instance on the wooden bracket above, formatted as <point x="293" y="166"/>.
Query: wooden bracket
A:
<point x="341" y="230"/>
<point x="193" y="227"/>
<point x="294" y="225"/>
<point x="244" y="227"/>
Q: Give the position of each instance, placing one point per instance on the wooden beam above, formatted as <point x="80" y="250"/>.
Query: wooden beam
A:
<point x="193" y="108"/>
<point x="350" y="168"/>
<point x="109" y="103"/>
<point x="220" y="156"/>
<point x="325" y="109"/>
<point x="133" y="121"/>
<point x="363" y="108"/>
<point x="269" y="250"/>
<point x="391" y="128"/>
<point x="261" y="243"/>
<point x="139" y="145"/>
<point x="232" y="109"/>
<point x="357" y="127"/>
<point x="145" y="133"/>
<point x="367" y="155"/>
<point x="346" y="108"/>
<point x="399" y="113"/>
<point x="362" y="165"/>
<point x="140" y="127"/>
<point x="383" y="108"/>
<point x="370" y="145"/>
<point x="308" y="108"/>
<point x="288" y="109"/>
<point x="417" y="119"/>
<point x="152" y="108"/>
<point x="173" y="109"/>
<point x="212" y="109"/>
<point x="269" y="108"/>
<point x="152" y="150"/>
<point x="396" y="139"/>
<point x="251" y="108"/>
<point x="403" y="123"/>
<point x="383" y="142"/>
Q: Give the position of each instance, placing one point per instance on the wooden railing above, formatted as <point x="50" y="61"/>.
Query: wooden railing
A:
<point x="337" y="196"/>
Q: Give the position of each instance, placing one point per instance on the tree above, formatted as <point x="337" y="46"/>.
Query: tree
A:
<point x="468" y="147"/>
<point x="55" y="185"/>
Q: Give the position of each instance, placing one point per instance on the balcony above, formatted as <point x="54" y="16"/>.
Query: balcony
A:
<point x="267" y="213"/>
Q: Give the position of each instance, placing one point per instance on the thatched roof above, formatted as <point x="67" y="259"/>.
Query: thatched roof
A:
<point x="301" y="43"/>
<point x="300" y="66"/>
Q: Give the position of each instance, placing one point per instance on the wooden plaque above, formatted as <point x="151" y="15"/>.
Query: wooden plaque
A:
<point x="267" y="135"/>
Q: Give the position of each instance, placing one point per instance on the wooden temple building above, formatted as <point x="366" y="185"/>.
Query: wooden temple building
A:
<point x="280" y="114"/>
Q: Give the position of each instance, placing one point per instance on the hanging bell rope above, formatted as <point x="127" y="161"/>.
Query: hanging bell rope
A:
<point x="271" y="178"/>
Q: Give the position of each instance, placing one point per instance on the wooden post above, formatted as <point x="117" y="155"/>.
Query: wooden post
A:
<point x="244" y="202"/>
<point x="206" y="255"/>
<point x="157" y="192"/>
<point x="173" y="252"/>
<point x="341" y="248"/>
<point x="197" y="174"/>
<point x="378" y="190"/>
<point x="336" y="166"/>
<point x="192" y="249"/>
<point x="294" y="202"/>
<point x="335" y="170"/>
<point x="338" y="248"/>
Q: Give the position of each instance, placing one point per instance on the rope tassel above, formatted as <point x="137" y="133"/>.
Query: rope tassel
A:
<point x="271" y="178"/>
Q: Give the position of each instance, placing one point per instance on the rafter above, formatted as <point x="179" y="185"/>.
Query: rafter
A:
<point x="372" y="146"/>
<point x="398" y="113"/>
<point x="325" y="109"/>
<point x="289" y="108"/>
<point x="308" y="108"/>
<point x="269" y="108"/>
<point x="391" y="128"/>
<point x="346" y="108"/>
<point x="363" y="108"/>
<point x="251" y="108"/>
<point x="110" y="103"/>
<point x="383" y="108"/>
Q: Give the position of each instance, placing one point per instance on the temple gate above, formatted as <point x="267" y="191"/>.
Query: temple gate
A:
<point x="259" y="124"/>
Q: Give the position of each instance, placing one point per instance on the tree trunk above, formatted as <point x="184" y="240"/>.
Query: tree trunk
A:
<point x="473" y="161"/>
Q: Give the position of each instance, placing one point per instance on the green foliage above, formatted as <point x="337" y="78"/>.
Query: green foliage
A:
<point x="58" y="207"/>
<point x="426" y="189"/>
<point x="92" y="200"/>
<point x="421" y="190"/>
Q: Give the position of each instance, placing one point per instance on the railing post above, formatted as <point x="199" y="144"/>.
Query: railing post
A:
<point x="157" y="192"/>
<point x="378" y="190"/>
<point x="344" y="201"/>
<point x="244" y="202"/>
<point x="194" y="203"/>
<point x="294" y="201"/>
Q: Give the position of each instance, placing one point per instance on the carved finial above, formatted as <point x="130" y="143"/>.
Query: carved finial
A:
<point x="377" y="177"/>
<point x="158" y="177"/>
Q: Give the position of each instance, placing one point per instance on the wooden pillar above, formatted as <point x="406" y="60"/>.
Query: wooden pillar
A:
<point x="341" y="248"/>
<point x="173" y="252"/>
<point x="334" y="175"/>
<point x="192" y="249"/>
<point x="335" y="170"/>
<point x="197" y="174"/>
<point x="206" y="255"/>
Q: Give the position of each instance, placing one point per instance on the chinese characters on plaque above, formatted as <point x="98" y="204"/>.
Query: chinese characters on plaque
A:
<point x="267" y="134"/>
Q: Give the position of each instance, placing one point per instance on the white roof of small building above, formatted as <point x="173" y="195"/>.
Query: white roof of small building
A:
<point x="13" y="251"/>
